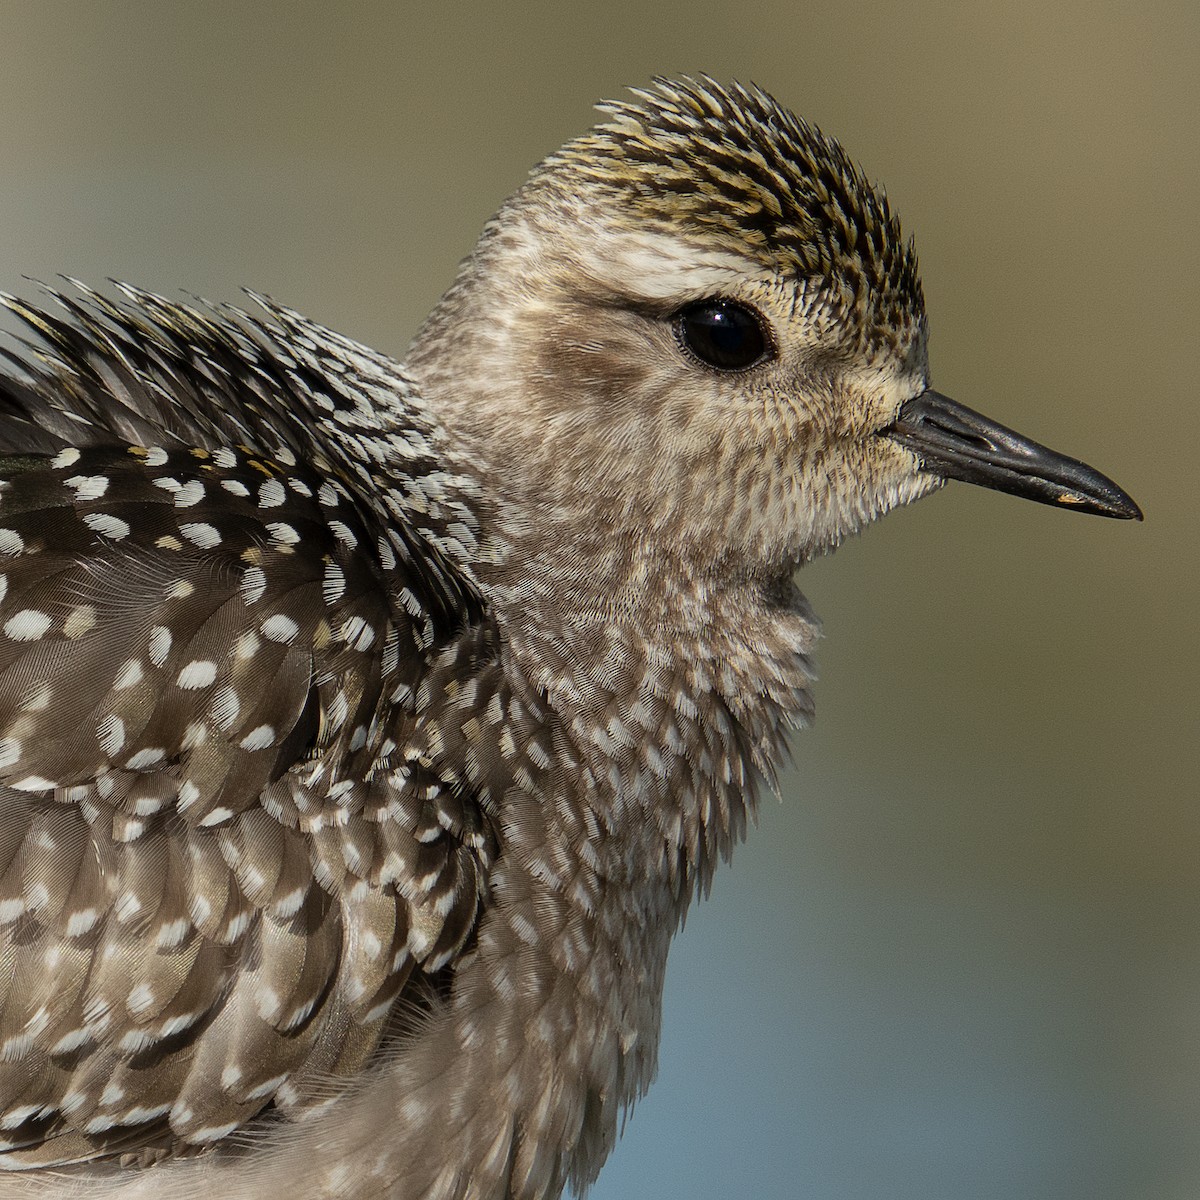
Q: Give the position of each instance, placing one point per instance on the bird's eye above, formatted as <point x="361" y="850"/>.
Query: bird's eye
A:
<point x="722" y="333"/>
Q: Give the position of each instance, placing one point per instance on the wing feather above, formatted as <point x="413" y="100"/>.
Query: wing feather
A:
<point x="224" y="851"/>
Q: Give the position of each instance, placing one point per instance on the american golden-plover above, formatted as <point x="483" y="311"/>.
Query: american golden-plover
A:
<point x="366" y="729"/>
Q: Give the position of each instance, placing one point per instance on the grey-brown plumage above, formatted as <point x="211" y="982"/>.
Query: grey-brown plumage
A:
<point x="365" y="731"/>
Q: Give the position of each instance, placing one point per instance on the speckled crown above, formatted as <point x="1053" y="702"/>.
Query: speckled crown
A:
<point x="743" y="173"/>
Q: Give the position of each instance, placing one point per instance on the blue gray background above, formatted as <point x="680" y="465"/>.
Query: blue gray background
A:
<point x="960" y="959"/>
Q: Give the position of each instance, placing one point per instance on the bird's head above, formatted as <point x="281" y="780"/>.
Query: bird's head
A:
<point x="700" y="322"/>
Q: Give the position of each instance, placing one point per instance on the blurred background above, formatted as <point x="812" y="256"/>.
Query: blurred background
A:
<point x="961" y="958"/>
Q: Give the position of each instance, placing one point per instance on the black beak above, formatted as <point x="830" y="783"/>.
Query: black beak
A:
<point x="957" y="443"/>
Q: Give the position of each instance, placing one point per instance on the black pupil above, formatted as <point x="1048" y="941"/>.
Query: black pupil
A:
<point x="725" y="335"/>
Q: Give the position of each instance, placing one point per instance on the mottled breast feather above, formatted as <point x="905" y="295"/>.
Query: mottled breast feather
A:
<point x="230" y="552"/>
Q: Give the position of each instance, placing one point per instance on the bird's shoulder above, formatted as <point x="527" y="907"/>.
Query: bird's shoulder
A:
<point x="234" y="579"/>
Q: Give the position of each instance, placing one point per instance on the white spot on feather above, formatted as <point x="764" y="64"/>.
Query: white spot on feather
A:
<point x="106" y="525"/>
<point x="267" y="1002"/>
<point x="358" y="633"/>
<point x="253" y="583"/>
<point x="247" y="645"/>
<point x="266" y="1088"/>
<point x="196" y="734"/>
<point x="259" y="738"/>
<point x="79" y="923"/>
<point x="279" y="628"/>
<point x="68" y="1043"/>
<point x="34" y="783"/>
<point x="88" y="487"/>
<point x="18" y="1116"/>
<point x="142" y="1113"/>
<point x="28" y="625"/>
<point x="201" y="534"/>
<point x="111" y="734"/>
<point x="333" y="587"/>
<point x="38" y="699"/>
<point x="283" y="534"/>
<point x="191" y="493"/>
<point x="149" y="757"/>
<point x="225" y="706"/>
<point x="160" y="644"/>
<point x="15" y="1048"/>
<point x="137" y="1041"/>
<point x="344" y="534"/>
<point x="172" y="933"/>
<point x="211" y="1133"/>
<point x="138" y="1000"/>
<point x="199" y="673"/>
<point x="271" y="494"/>
<point x="177" y="1024"/>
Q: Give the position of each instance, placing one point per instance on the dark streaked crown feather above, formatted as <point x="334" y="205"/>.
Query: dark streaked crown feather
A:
<point x="734" y="169"/>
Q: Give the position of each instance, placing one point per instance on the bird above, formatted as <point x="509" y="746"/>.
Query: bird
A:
<point x="366" y="728"/>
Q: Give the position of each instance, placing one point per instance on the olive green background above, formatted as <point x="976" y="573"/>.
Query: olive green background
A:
<point x="961" y="959"/>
